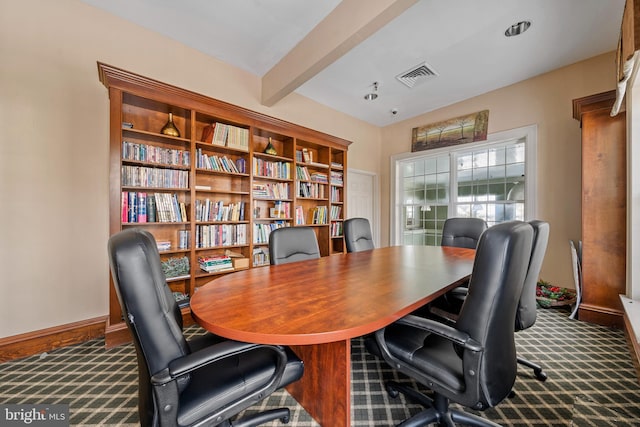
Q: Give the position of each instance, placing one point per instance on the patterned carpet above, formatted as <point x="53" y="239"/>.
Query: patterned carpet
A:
<point x="592" y="382"/>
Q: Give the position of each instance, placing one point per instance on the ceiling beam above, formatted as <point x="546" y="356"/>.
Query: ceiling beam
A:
<point x="350" y="23"/>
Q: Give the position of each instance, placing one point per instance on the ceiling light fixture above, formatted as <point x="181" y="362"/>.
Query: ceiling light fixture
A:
<point x="517" y="29"/>
<point x="374" y="94"/>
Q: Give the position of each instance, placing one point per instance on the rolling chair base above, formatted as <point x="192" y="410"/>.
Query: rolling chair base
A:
<point x="537" y="369"/>
<point x="437" y="410"/>
<point x="283" y="414"/>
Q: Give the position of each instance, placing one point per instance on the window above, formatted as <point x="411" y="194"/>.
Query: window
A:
<point x="493" y="180"/>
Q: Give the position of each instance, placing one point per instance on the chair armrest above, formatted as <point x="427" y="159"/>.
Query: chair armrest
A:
<point x="166" y="387"/>
<point x="443" y="330"/>
<point x="211" y="354"/>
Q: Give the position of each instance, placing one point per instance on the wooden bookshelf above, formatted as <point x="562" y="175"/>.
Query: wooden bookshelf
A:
<point x="226" y="191"/>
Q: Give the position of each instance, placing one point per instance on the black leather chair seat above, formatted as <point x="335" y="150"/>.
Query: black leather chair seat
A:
<point x="436" y="363"/>
<point x="230" y="380"/>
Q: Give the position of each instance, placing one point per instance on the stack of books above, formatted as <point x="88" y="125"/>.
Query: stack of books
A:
<point x="163" y="245"/>
<point x="182" y="299"/>
<point x="215" y="263"/>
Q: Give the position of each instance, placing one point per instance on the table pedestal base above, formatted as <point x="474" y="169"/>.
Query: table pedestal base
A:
<point x="327" y="373"/>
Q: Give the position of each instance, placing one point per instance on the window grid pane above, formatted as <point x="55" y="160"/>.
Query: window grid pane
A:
<point x="489" y="184"/>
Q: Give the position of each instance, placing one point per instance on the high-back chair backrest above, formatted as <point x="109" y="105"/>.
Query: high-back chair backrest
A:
<point x="150" y="310"/>
<point x="489" y="310"/>
<point x="357" y="235"/>
<point x="291" y="244"/>
<point x="463" y="232"/>
<point x="526" y="314"/>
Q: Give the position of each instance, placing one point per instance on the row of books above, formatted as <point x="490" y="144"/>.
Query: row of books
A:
<point x="140" y="176"/>
<point x="215" y="263"/>
<point x="336" y="194"/>
<point x="209" y="236"/>
<point x="207" y="210"/>
<point x="318" y="215"/>
<point x="270" y="169"/>
<point x="336" y="211"/>
<point x="155" y="154"/>
<point x="278" y="190"/>
<point x="230" y="136"/>
<point x="280" y="210"/>
<point x="336" y="229"/>
<point x="220" y="164"/>
<point x="260" y="256"/>
<point x="299" y="215"/>
<point x="261" y="231"/>
<point x="336" y="178"/>
<point x="182" y="299"/>
<point x="311" y="189"/>
<point x="141" y="207"/>
<point x="303" y="174"/>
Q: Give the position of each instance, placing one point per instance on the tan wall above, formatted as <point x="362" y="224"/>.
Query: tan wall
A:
<point x="546" y="101"/>
<point x="54" y="141"/>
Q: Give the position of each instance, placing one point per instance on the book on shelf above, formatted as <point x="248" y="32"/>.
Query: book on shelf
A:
<point x="261" y="231"/>
<point x="260" y="256"/>
<point x="208" y="211"/>
<point x="182" y="299"/>
<point x="184" y="239"/>
<point x="230" y="136"/>
<point x="299" y="215"/>
<point x="207" y="133"/>
<point x="142" y="176"/>
<point x="307" y="156"/>
<point x="318" y="215"/>
<point x="336" y="178"/>
<point x="279" y="190"/>
<point x="208" y="236"/>
<point x="271" y="169"/>
<point x="163" y="245"/>
<point x="154" y="154"/>
<point x="215" y="263"/>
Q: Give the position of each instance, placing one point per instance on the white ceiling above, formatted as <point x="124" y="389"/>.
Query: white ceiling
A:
<point x="462" y="40"/>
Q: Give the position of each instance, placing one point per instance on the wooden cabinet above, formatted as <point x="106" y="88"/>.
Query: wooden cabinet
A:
<point x="603" y="209"/>
<point x="212" y="187"/>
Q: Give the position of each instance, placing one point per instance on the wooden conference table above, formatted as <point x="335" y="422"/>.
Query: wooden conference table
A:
<point x="317" y="306"/>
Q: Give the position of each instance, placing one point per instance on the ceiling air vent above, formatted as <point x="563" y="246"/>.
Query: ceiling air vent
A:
<point x="416" y="75"/>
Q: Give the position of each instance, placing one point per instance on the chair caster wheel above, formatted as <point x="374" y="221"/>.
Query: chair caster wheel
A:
<point x="541" y="376"/>
<point x="392" y="392"/>
<point x="284" y="420"/>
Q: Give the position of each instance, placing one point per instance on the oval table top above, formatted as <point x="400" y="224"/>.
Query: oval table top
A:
<point x="329" y="299"/>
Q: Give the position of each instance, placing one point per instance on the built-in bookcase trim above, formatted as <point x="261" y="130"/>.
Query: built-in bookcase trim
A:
<point x="224" y="144"/>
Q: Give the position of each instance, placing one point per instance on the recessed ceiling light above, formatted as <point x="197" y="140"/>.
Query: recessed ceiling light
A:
<point x="517" y="29"/>
<point x="374" y="94"/>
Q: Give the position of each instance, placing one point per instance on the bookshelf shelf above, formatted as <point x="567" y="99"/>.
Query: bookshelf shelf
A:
<point x="219" y="162"/>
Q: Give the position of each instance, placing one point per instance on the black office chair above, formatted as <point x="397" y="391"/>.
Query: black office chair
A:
<point x="474" y="362"/>
<point x="527" y="306"/>
<point x="291" y="244"/>
<point x="207" y="380"/>
<point x="459" y="233"/>
<point x="357" y="235"/>
<point x="462" y="232"/>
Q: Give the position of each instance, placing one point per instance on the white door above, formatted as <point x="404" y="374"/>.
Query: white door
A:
<point x="362" y="188"/>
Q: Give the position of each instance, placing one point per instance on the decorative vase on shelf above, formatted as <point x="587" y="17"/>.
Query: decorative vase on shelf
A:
<point x="170" y="129"/>
<point x="270" y="149"/>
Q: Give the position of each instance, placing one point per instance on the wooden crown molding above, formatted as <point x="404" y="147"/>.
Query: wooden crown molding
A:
<point x="113" y="77"/>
